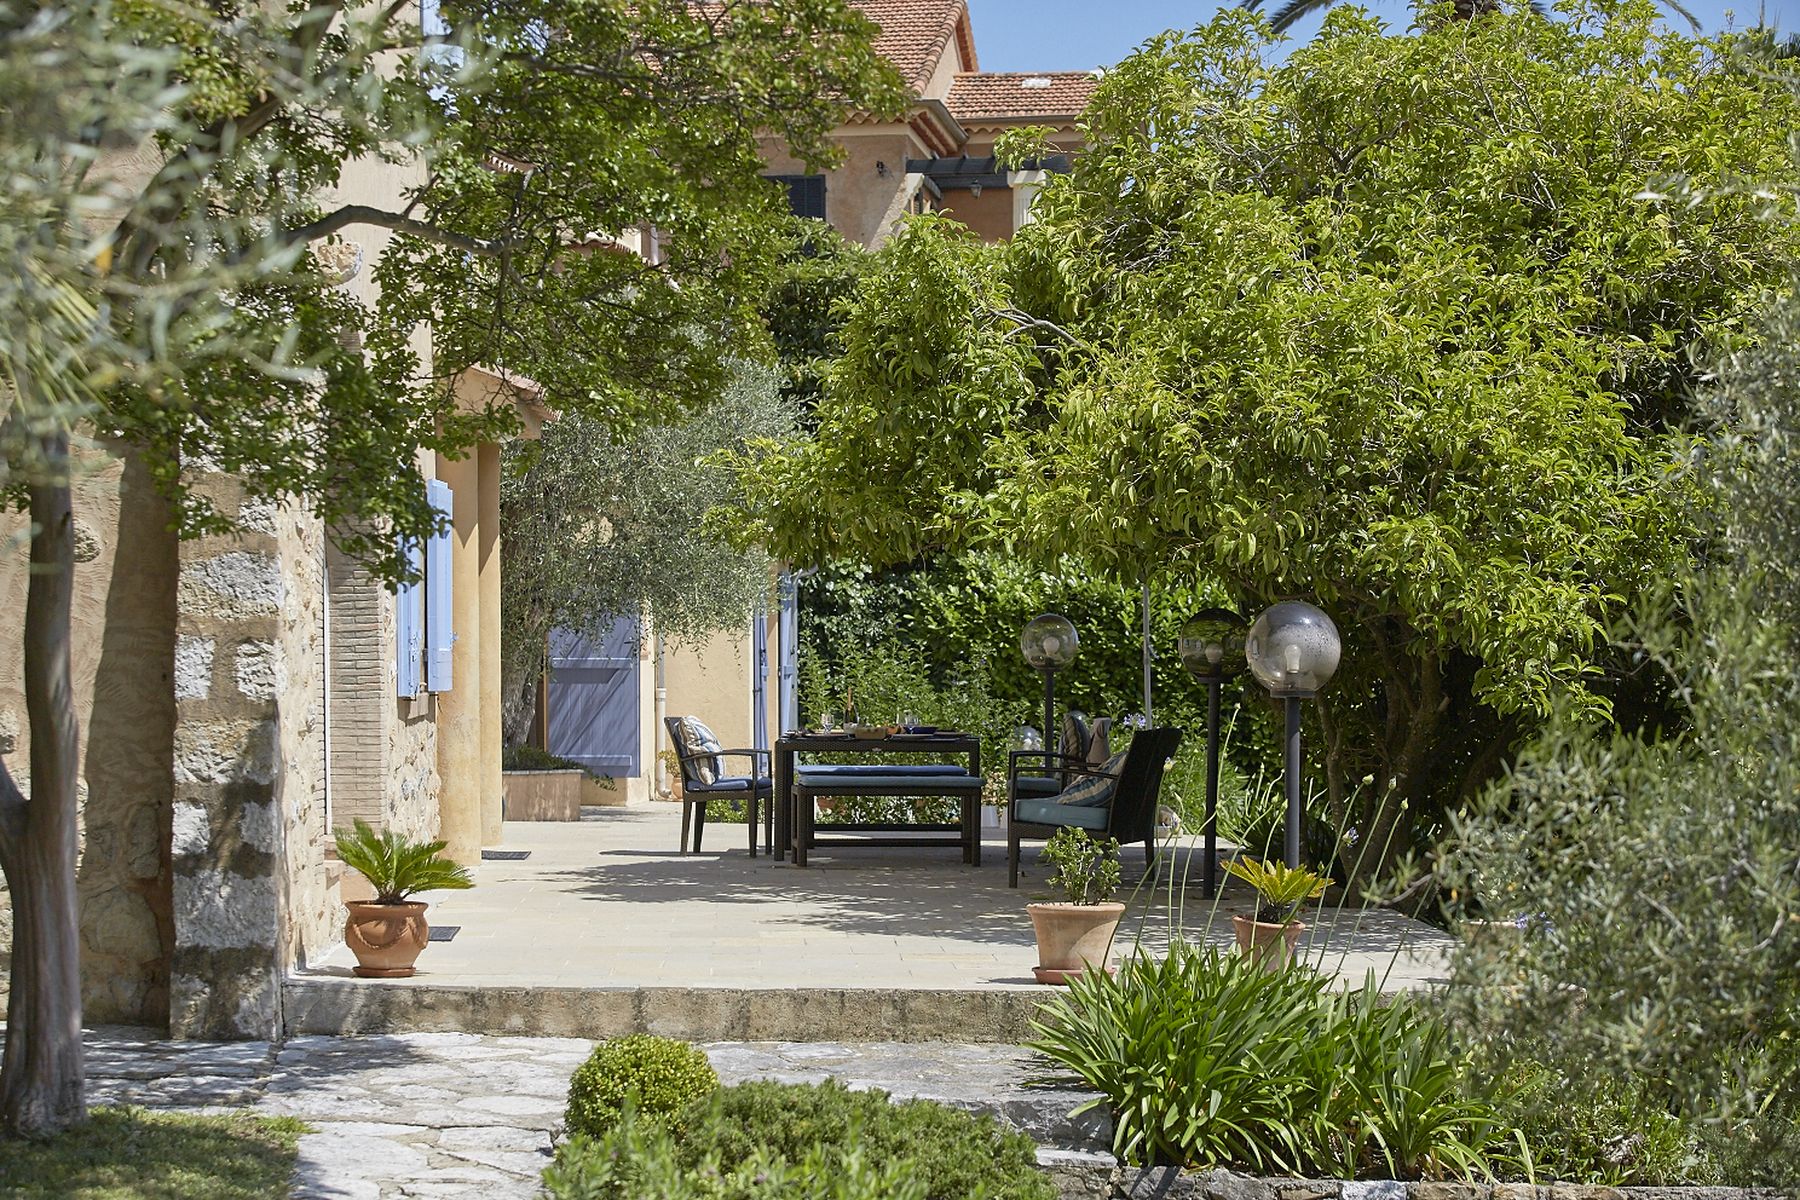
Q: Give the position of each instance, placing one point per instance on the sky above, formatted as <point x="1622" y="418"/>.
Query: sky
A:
<point x="1078" y="35"/>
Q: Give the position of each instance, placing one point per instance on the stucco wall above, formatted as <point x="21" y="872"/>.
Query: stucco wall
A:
<point x="858" y="196"/>
<point x="712" y="682"/>
<point x="990" y="214"/>
<point x="122" y="650"/>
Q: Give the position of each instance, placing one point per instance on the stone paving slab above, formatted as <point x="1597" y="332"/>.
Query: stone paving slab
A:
<point x="609" y="903"/>
<point x="458" y="1116"/>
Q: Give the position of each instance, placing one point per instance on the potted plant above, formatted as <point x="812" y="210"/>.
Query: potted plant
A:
<point x="387" y="933"/>
<point x="1271" y="935"/>
<point x="1078" y="934"/>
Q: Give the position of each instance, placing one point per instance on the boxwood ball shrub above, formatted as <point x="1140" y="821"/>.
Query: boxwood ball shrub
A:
<point x="660" y="1076"/>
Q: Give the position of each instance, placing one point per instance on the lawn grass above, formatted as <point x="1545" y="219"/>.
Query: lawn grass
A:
<point x="131" y="1154"/>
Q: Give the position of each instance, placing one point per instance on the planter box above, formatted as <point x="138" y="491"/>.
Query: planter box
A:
<point x="542" y="795"/>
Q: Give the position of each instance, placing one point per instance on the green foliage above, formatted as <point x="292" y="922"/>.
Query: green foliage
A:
<point x="637" y="1159"/>
<point x="883" y="678"/>
<point x="531" y="758"/>
<point x="130" y="1154"/>
<point x="1397" y="323"/>
<point x="1208" y="1060"/>
<point x="954" y="1154"/>
<point x="1603" y="1131"/>
<point x="1281" y="890"/>
<point x="600" y="524"/>
<point x="396" y="866"/>
<point x="1086" y="868"/>
<point x="655" y="1077"/>
<point x="1658" y="865"/>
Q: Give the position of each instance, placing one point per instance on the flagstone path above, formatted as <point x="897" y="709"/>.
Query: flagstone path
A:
<point x="454" y="1116"/>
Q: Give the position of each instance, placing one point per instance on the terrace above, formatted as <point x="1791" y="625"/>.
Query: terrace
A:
<point x="607" y="927"/>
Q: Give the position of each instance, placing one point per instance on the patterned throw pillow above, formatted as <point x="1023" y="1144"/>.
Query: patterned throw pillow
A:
<point x="698" y="739"/>
<point x="1074" y="740"/>
<point x="1100" y="742"/>
<point x="1095" y="790"/>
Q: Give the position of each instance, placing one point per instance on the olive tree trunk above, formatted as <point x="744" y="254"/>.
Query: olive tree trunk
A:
<point x="42" y="1085"/>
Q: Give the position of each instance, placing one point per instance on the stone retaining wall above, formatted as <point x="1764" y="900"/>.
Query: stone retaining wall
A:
<point x="1081" y="1176"/>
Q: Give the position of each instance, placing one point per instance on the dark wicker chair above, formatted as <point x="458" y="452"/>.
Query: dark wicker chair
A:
<point x="703" y="779"/>
<point x="1129" y="816"/>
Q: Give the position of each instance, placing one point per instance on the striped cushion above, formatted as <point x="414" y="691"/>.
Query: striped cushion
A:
<point x="1094" y="791"/>
<point x="696" y="738"/>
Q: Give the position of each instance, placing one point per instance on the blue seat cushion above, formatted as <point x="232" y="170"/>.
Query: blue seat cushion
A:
<point x="732" y="783"/>
<point x="901" y="783"/>
<point x="1048" y="812"/>
<point x="1037" y="785"/>
<point x="824" y="769"/>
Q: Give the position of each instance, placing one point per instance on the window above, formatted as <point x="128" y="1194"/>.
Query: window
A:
<point x="806" y="194"/>
<point x="422" y="608"/>
<point x="440" y="633"/>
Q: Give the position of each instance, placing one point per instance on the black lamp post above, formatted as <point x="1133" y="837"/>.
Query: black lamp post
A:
<point x="1049" y="643"/>
<point x="1293" y="649"/>
<point x="1212" y="643"/>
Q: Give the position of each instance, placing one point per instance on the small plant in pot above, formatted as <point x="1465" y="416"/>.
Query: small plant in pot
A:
<point x="1078" y="934"/>
<point x="1271" y="935"/>
<point x="387" y="933"/>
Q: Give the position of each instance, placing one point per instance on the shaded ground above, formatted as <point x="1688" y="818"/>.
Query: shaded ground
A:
<point x="138" y="1155"/>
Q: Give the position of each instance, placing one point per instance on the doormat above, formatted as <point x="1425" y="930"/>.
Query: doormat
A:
<point x="444" y="933"/>
<point x="504" y="855"/>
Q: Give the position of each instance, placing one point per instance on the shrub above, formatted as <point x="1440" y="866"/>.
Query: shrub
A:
<point x="658" y="1077"/>
<point x="639" y="1159"/>
<point x="1607" y="1132"/>
<point x="953" y="1155"/>
<point x="533" y="758"/>
<point x="1206" y="1060"/>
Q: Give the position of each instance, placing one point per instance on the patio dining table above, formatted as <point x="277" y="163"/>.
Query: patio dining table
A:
<point x="889" y="778"/>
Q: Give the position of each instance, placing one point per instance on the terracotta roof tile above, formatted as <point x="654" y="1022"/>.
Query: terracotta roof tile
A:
<point x="914" y="33"/>
<point x="1006" y="95"/>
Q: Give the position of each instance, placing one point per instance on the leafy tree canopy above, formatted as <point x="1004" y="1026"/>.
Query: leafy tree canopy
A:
<point x="1397" y="325"/>
<point x="522" y="139"/>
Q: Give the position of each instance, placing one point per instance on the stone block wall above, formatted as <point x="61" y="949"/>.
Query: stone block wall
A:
<point x="123" y="651"/>
<point x="227" y="838"/>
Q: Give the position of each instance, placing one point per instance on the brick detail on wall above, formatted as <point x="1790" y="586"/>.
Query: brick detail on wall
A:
<point x="360" y="680"/>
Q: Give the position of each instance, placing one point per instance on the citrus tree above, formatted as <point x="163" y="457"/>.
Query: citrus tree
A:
<point x="1398" y="325"/>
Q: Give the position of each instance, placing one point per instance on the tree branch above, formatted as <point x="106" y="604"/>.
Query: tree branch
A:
<point x="364" y="214"/>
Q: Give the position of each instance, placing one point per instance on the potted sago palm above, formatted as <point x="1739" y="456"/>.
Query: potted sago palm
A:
<point x="1077" y="934"/>
<point x="387" y="933"/>
<point x="1270" y="936"/>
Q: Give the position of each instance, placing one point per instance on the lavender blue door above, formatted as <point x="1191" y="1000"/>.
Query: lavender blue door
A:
<point x="594" y="699"/>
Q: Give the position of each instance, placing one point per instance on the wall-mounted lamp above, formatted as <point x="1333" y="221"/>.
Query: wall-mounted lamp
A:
<point x="881" y="169"/>
<point x="975" y="191"/>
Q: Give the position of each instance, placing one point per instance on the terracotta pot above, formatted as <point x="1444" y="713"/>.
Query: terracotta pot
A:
<point x="1267" y="943"/>
<point x="386" y="938"/>
<point x="1072" y="937"/>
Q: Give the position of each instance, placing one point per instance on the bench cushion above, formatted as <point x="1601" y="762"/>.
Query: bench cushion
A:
<point x="1040" y="786"/>
<point x="902" y="784"/>
<point x="730" y="783"/>
<point x="1048" y="812"/>
<point x="826" y="769"/>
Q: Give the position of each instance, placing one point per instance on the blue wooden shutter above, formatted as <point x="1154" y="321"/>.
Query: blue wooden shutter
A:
<point x="439" y="632"/>
<point x="409" y="618"/>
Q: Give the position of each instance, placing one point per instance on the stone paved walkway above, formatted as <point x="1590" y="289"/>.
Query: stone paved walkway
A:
<point x="457" y="1116"/>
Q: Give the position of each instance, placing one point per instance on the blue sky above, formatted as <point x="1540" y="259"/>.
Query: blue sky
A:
<point x="1076" y="35"/>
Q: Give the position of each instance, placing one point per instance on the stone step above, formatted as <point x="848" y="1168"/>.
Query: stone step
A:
<point x="338" y="1005"/>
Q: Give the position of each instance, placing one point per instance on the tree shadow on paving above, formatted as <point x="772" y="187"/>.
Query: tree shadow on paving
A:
<point x="910" y="892"/>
